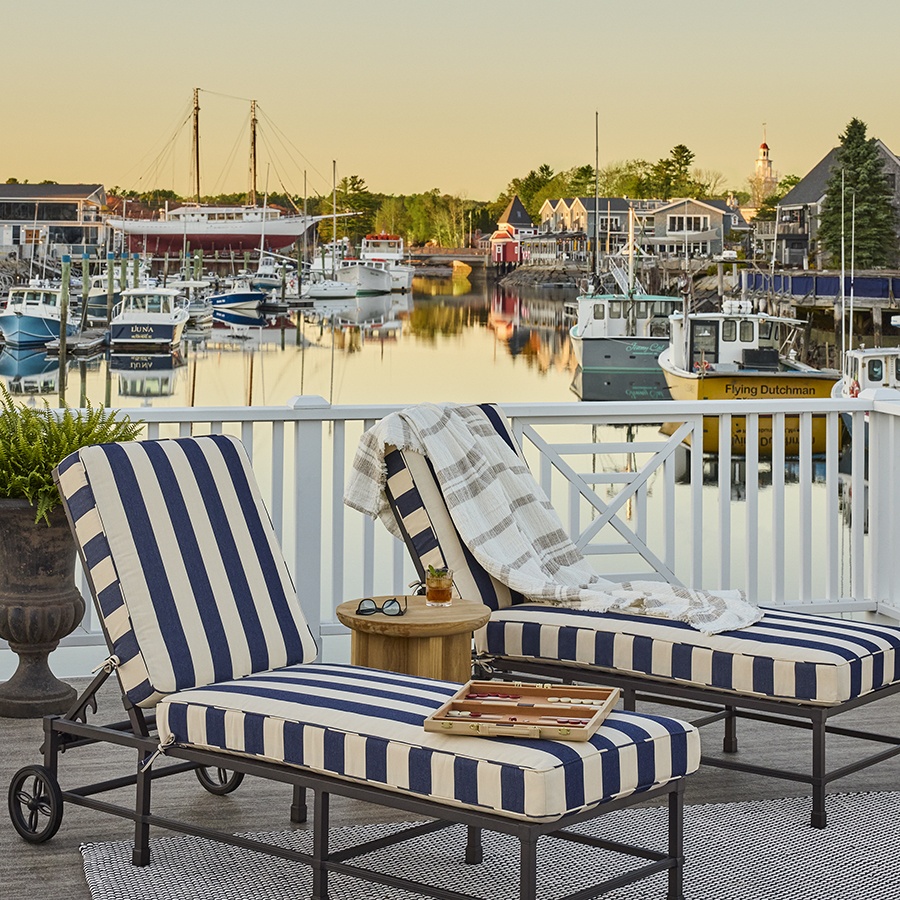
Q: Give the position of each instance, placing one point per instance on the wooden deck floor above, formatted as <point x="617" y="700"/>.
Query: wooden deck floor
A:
<point x="55" y="868"/>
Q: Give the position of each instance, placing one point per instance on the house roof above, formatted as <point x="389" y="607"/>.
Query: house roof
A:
<point x="93" y="192"/>
<point x="718" y="205"/>
<point x="516" y="215"/>
<point x="812" y="187"/>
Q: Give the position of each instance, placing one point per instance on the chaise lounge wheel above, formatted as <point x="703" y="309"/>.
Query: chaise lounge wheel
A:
<point x="35" y="804"/>
<point x="218" y="781"/>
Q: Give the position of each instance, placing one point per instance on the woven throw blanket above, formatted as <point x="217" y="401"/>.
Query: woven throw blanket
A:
<point x="506" y="521"/>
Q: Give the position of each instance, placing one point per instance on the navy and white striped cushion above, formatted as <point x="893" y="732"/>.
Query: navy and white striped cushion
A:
<point x="184" y="562"/>
<point x="419" y="506"/>
<point x="366" y="725"/>
<point x="786" y="655"/>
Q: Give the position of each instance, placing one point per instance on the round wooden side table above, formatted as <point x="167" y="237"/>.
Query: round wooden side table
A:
<point x="430" y="641"/>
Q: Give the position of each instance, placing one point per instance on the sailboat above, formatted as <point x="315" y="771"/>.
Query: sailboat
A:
<point x="211" y="228"/>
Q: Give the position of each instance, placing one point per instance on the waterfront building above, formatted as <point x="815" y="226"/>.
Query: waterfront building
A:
<point x="50" y="219"/>
<point x="513" y="225"/>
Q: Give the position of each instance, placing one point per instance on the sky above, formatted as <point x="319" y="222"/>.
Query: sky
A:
<point x="412" y="95"/>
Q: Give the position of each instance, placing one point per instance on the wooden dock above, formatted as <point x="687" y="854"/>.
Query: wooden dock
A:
<point x="88" y="343"/>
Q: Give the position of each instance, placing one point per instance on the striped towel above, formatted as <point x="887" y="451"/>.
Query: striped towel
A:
<point x="509" y="525"/>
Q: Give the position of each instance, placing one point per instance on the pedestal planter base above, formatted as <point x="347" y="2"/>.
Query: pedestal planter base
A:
<point x="39" y="605"/>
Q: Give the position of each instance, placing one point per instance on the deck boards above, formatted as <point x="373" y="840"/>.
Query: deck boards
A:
<point x="56" y="867"/>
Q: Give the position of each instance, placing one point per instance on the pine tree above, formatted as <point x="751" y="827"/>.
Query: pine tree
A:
<point x="861" y="166"/>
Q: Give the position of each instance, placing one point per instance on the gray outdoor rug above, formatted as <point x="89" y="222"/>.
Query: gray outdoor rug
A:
<point x="757" y="850"/>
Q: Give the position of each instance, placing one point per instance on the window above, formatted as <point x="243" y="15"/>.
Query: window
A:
<point x="615" y="309"/>
<point x="688" y="223"/>
<point x="599" y="311"/>
<point x="875" y="370"/>
<point x="642" y="310"/>
<point x="729" y="330"/>
<point x="704" y="343"/>
<point x="746" y="332"/>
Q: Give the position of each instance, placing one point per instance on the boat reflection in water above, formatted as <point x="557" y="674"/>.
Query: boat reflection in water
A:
<point x="146" y="375"/>
<point x="29" y="370"/>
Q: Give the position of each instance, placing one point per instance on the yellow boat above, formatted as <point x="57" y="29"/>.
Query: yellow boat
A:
<point x="737" y="355"/>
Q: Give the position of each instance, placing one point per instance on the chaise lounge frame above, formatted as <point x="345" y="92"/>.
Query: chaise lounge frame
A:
<point x="36" y="798"/>
<point x="426" y="548"/>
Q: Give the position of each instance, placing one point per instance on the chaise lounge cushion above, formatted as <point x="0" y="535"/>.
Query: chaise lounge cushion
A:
<point x="191" y="583"/>
<point x="787" y="655"/>
<point x="366" y="725"/>
<point x="792" y="656"/>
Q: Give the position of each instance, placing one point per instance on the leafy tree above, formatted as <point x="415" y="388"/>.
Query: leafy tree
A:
<point x="859" y="172"/>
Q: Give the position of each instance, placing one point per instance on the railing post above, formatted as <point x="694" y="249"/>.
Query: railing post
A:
<point x="308" y="480"/>
<point x="883" y="495"/>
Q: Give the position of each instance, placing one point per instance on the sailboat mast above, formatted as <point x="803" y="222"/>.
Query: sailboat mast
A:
<point x="333" y="215"/>
<point x="253" y="153"/>
<point x="197" y="145"/>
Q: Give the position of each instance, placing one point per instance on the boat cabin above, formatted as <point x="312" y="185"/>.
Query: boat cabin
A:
<point x="39" y="300"/>
<point x="152" y="301"/>
<point x="735" y="340"/>
<point x="868" y="368"/>
<point x="614" y="315"/>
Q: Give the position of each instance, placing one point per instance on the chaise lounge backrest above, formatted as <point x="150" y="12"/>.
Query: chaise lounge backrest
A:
<point x="190" y="581"/>
<point x="431" y="537"/>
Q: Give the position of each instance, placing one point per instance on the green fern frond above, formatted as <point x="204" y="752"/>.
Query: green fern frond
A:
<point x="34" y="440"/>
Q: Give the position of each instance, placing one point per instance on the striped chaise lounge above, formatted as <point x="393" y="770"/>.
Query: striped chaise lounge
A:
<point x="790" y="668"/>
<point x="217" y="669"/>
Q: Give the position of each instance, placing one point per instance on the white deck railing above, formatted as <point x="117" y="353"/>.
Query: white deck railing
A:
<point x="813" y="530"/>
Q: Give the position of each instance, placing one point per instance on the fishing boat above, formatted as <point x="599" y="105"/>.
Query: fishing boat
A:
<point x="737" y="354"/>
<point x="617" y="338"/>
<point x="31" y="315"/>
<point x="866" y="368"/>
<point x="620" y="330"/>
<point x="364" y="277"/>
<point x="148" y="317"/>
<point x="387" y="249"/>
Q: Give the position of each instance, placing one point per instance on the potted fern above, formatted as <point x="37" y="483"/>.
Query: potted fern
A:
<point x="39" y="603"/>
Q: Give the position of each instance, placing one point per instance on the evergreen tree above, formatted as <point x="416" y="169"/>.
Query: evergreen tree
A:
<point x="861" y="166"/>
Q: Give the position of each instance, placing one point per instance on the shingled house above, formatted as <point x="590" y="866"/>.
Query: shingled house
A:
<point x="798" y="213"/>
<point x="512" y="226"/>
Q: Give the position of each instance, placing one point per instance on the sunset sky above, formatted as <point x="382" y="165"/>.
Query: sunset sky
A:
<point x="412" y="95"/>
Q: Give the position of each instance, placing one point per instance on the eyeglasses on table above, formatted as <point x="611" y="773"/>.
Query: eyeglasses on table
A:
<point x="391" y="607"/>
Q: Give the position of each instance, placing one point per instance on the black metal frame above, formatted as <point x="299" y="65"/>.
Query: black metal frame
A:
<point x="70" y="731"/>
<point x="728" y="707"/>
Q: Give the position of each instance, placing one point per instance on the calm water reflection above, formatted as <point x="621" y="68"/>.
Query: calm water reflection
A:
<point x="451" y="339"/>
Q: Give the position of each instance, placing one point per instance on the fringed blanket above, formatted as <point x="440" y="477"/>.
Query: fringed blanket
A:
<point x="507" y="522"/>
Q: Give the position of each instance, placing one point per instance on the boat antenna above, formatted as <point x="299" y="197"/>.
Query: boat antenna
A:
<point x="852" y="260"/>
<point x="197" y="146"/>
<point x="252" y="153"/>
<point x="595" y="263"/>
<point x="843" y="294"/>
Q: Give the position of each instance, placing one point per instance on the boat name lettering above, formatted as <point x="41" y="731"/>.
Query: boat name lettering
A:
<point x="646" y="349"/>
<point x="741" y="390"/>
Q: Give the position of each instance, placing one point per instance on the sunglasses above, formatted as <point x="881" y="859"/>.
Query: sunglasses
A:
<point x="367" y="607"/>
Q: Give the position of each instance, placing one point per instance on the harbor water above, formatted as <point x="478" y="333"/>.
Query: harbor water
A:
<point x="453" y="339"/>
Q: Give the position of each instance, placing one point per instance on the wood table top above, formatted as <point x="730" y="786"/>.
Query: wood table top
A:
<point x="419" y="620"/>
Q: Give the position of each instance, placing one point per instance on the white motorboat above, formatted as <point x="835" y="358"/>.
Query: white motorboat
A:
<point x="32" y="314"/>
<point x="866" y="368"/>
<point x="329" y="289"/>
<point x="148" y="317"/>
<point x="387" y="249"/>
<point x="367" y="278"/>
<point x="241" y="298"/>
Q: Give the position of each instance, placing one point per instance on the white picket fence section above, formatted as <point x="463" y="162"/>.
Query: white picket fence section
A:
<point x="815" y="530"/>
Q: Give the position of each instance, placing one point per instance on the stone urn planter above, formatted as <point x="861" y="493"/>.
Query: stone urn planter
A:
<point x="39" y="605"/>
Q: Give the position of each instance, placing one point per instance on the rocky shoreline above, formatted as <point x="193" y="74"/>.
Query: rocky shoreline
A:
<point x="558" y="274"/>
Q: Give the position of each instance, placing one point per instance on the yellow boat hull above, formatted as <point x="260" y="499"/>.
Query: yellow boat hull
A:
<point x="753" y="386"/>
